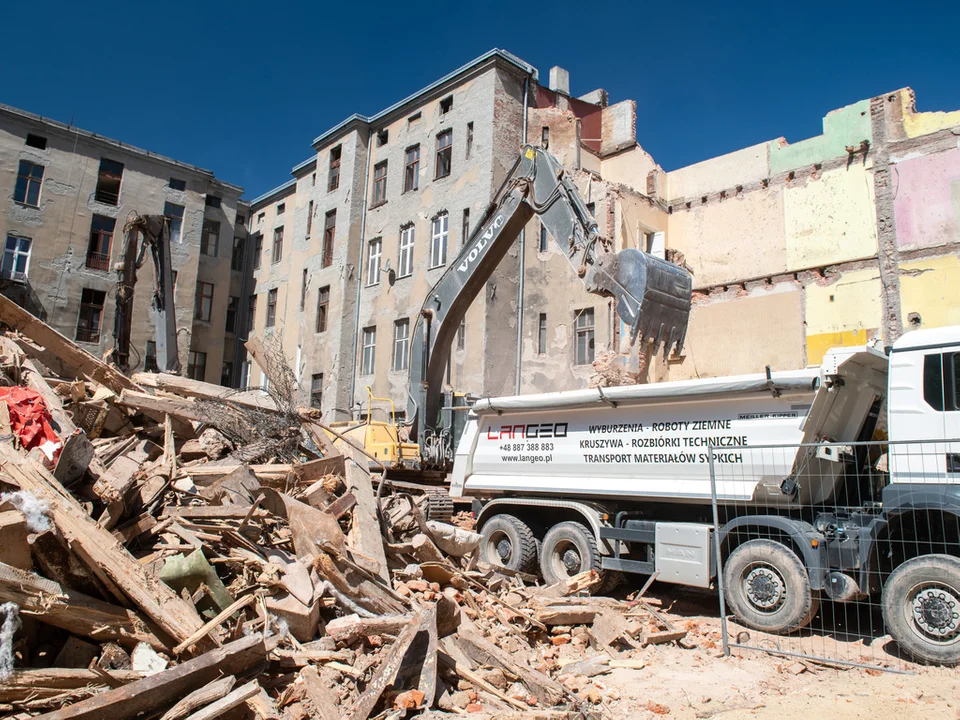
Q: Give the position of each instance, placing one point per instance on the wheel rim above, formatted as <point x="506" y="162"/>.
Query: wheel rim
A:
<point x="565" y="559"/>
<point x="933" y="611"/>
<point x="764" y="587"/>
<point x="499" y="548"/>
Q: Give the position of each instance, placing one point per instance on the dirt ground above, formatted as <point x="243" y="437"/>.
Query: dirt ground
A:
<point x="701" y="682"/>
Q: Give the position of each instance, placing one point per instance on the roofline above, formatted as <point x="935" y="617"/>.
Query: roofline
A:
<point x="110" y="142"/>
<point x="494" y="54"/>
<point x="305" y="165"/>
<point x="272" y="194"/>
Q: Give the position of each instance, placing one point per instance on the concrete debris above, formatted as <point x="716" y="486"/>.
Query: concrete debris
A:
<point x="174" y="577"/>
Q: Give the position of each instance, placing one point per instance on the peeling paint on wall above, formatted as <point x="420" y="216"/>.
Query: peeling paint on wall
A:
<point x="847" y="126"/>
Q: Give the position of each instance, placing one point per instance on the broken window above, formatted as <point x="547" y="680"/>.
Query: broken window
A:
<point x="197" y="365"/>
<point x="444" y="153"/>
<point x="329" y="232"/>
<point x="462" y="335"/>
<point x="226" y="374"/>
<point x="543" y="237"/>
<point x="438" y="244"/>
<point x="91" y="315"/>
<point x="309" y="217"/>
<point x="446" y="105"/>
<point x="303" y="289"/>
<point x="323" y="304"/>
<point x="374" y="250"/>
<point x="271" y="308"/>
<point x="369" y="350"/>
<point x="379" y="183"/>
<point x="401" y="344"/>
<point x="36" y="141"/>
<point x="411" y="171"/>
<point x="27" y="190"/>
<point x="465" y="227"/>
<point x="251" y="313"/>
<point x="213" y="201"/>
<point x="177" y="184"/>
<point x="316" y="391"/>
<point x="257" y="250"/>
<point x="542" y="334"/>
<point x="333" y="181"/>
<point x="406" y="251"/>
<point x="277" y="245"/>
<point x="108" y="182"/>
<point x="16" y="258"/>
<point x="210" y="238"/>
<point x="583" y="327"/>
<point x="101" y="237"/>
<point x="203" y="301"/>
<point x="150" y="357"/>
<point x="175" y="214"/>
<point x="233" y="308"/>
<point x="469" y="139"/>
<point x="382" y="137"/>
<point x="236" y="258"/>
<point x="545" y="137"/>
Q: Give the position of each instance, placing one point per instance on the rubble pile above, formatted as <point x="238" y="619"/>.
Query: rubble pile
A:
<point x="173" y="549"/>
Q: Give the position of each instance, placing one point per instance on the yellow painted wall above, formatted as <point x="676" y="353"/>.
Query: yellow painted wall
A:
<point x="916" y="124"/>
<point x="931" y="290"/>
<point x="830" y="219"/>
<point x="843" y="313"/>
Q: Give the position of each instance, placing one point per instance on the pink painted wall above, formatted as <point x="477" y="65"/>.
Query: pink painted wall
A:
<point x="927" y="200"/>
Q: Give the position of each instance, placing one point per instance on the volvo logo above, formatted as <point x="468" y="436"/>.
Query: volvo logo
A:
<point x="488" y="234"/>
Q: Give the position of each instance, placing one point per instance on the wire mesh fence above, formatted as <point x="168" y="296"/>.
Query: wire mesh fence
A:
<point x="845" y="553"/>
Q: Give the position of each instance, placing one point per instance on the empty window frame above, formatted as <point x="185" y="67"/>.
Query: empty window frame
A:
<point x="543" y="238"/>
<point x="407" y="236"/>
<point x="150" y="357"/>
<point x="210" y="238"/>
<point x="91" y="315"/>
<point x="462" y="335"/>
<point x="36" y="141"/>
<point x="323" y="306"/>
<point x="583" y="329"/>
<point x="226" y="374"/>
<point x="469" y="139"/>
<point x="329" y="233"/>
<point x="401" y="345"/>
<point x="197" y="365"/>
<point x="16" y="258"/>
<point x="438" y="240"/>
<point x="316" y="391"/>
<point x="236" y="258"/>
<point x="309" y="217"/>
<point x="411" y="169"/>
<point x="213" y="201"/>
<point x="101" y="237"/>
<point x="379" y="183"/>
<point x="251" y="313"/>
<point x="303" y="289"/>
<point x="175" y="214"/>
<point x="271" y="308"/>
<point x="203" y="301"/>
<point x="446" y="105"/>
<point x="233" y="309"/>
<point x="257" y="250"/>
<point x="545" y="137"/>
<point x="383" y="137"/>
<point x="542" y="334"/>
<point x="369" y="358"/>
<point x="444" y="153"/>
<point x="177" y="184"/>
<point x="333" y="179"/>
<point x="277" y="254"/>
<point x="281" y="208"/>
<point x="374" y="251"/>
<point x="465" y="226"/>
<point x="29" y="179"/>
<point x="109" y="178"/>
<point x="241" y="220"/>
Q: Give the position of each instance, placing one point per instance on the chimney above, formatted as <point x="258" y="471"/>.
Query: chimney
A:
<point x="559" y="80"/>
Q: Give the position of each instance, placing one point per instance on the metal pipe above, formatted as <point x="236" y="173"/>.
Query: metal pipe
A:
<point x="523" y="233"/>
<point x="363" y="230"/>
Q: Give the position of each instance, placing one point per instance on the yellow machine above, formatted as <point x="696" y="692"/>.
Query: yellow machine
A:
<point x="381" y="438"/>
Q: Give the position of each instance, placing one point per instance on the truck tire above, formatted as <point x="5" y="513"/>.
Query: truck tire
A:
<point x="569" y="549"/>
<point x="921" y="607"/>
<point x="768" y="589"/>
<point x="509" y="542"/>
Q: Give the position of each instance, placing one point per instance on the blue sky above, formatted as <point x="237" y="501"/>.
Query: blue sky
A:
<point x="242" y="88"/>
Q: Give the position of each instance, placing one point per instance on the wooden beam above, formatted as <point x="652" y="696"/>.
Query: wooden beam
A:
<point x="386" y="672"/>
<point x="198" y="698"/>
<point x="227" y="702"/>
<point x="69" y="353"/>
<point x="73" y="611"/>
<point x="99" y="549"/>
<point x="204" y="391"/>
<point x="35" y="684"/>
<point x="157" y="691"/>
<point x="179" y="408"/>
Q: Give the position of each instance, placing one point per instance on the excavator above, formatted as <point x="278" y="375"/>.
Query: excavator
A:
<point x="652" y="298"/>
<point x="142" y="233"/>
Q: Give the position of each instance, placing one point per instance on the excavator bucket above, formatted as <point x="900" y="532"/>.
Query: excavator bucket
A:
<point x="653" y="296"/>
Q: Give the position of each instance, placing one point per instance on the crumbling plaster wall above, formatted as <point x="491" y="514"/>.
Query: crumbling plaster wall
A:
<point x="927" y="199"/>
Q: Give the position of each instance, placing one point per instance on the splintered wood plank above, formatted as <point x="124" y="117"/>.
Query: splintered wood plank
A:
<point x="384" y="675"/>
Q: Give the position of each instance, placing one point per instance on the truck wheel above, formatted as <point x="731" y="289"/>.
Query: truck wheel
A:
<point x="509" y="542"/>
<point x="921" y="607"/>
<point x="569" y="549"/>
<point x="768" y="588"/>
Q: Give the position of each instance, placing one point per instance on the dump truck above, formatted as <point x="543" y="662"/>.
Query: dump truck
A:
<point x="623" y="480"/>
